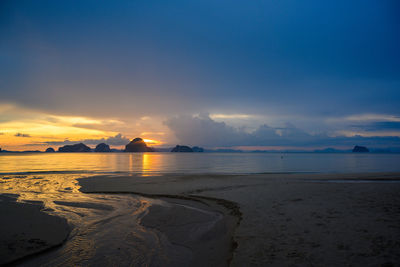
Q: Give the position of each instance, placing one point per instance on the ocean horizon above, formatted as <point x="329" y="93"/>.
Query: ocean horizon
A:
<point x="158" y="163"/>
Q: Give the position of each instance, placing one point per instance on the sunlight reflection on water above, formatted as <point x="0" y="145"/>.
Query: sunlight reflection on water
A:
<point x="106" y="227"/>
<point x="161" y="163"/>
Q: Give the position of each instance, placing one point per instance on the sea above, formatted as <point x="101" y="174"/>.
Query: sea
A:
<point x="188" y="163"/>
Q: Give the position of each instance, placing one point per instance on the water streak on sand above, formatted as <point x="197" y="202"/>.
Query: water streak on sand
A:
<point x="107" y="228"/>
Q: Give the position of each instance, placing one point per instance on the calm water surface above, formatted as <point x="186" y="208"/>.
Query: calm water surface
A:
<point x="164" y="163"/>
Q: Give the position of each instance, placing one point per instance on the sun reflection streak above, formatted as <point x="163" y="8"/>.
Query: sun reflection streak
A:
<point x="104" y="227"/>
<point x="149" y="161"/>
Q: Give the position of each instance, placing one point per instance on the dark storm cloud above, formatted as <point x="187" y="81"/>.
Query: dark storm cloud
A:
<point x="378" y="126"/>
<point x="204" y="131"/>
<point x="141" y="57"/>
<point x="129" y="59"/>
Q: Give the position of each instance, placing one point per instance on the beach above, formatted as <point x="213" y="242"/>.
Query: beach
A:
<point x="272" y="219"/>
<point x="26" y="230"/>
<point x="200" y="133"/>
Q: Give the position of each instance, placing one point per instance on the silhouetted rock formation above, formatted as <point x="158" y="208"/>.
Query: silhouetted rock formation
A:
<point x="360" y="149"/>
<point x="102" y="147"/>
<point x="50" y="150"/>
<point x="179" y="148"/>
<point x="138" y="145"/>
<point x="75" y="148"/>
<point x="197" y="149"/>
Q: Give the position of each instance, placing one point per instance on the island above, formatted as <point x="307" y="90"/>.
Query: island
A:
<point x="361" y="149"/>
<point x="102" y="147"/>
<point x="74" y="148"/>
<point x="179" y="148"/>
<point x="138" y="145"/>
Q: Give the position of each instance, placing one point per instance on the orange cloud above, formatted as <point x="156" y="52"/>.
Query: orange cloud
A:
<point x="40" y="129"/>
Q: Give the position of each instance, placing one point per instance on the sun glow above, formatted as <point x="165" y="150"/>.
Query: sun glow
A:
<point x="23" y="129"/>
<point x="152" y="142"/>
<point x="27" y="129"/>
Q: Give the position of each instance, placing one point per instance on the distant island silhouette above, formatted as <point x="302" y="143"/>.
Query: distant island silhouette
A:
<point x="179" y="148"/>
<point x="139" y="145"/>
<point x="102" y="147"/>
<point x="81" y="147"/>
<point x="361" y="149"/>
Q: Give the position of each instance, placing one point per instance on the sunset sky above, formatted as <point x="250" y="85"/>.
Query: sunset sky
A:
<point x="248" y="74"/>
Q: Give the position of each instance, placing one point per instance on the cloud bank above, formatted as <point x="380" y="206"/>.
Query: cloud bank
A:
<point x="118" y="140"/>
<point x="204" y="131"/>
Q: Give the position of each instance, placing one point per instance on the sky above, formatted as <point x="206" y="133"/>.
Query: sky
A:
<point x="249" y="74"/>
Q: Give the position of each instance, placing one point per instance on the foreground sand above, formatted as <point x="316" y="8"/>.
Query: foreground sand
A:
<point x="26" y="230"/>
<point x="264" y="219"/>
<point x="293" y="219"/>
<point x="113" y="230"/>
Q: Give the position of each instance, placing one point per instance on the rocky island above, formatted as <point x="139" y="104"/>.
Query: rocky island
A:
<point x="102" y="147"/>
<point x="179" y="148"/>
<point x="361" y="149"/>
<point x="138" y="145"/>
<point x="75" y="148"/>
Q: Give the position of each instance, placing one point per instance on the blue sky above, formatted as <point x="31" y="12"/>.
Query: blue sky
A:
<point x="323" y="67"/>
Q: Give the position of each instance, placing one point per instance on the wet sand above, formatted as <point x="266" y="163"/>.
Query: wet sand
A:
<point x="293" y="219"/>
<point x="110" y="229"/>
<point x="260" y="219"/>
<point x="26" y="230"/>
<point x="164" y="232"/>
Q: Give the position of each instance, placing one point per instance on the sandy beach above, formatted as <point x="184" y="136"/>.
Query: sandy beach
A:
<point x="294" y="219"/>
<point x="26" y="230"/>
<point x="111" y="229"/>
<point x="255" y="220"/>
<point x="199" y="133"/>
